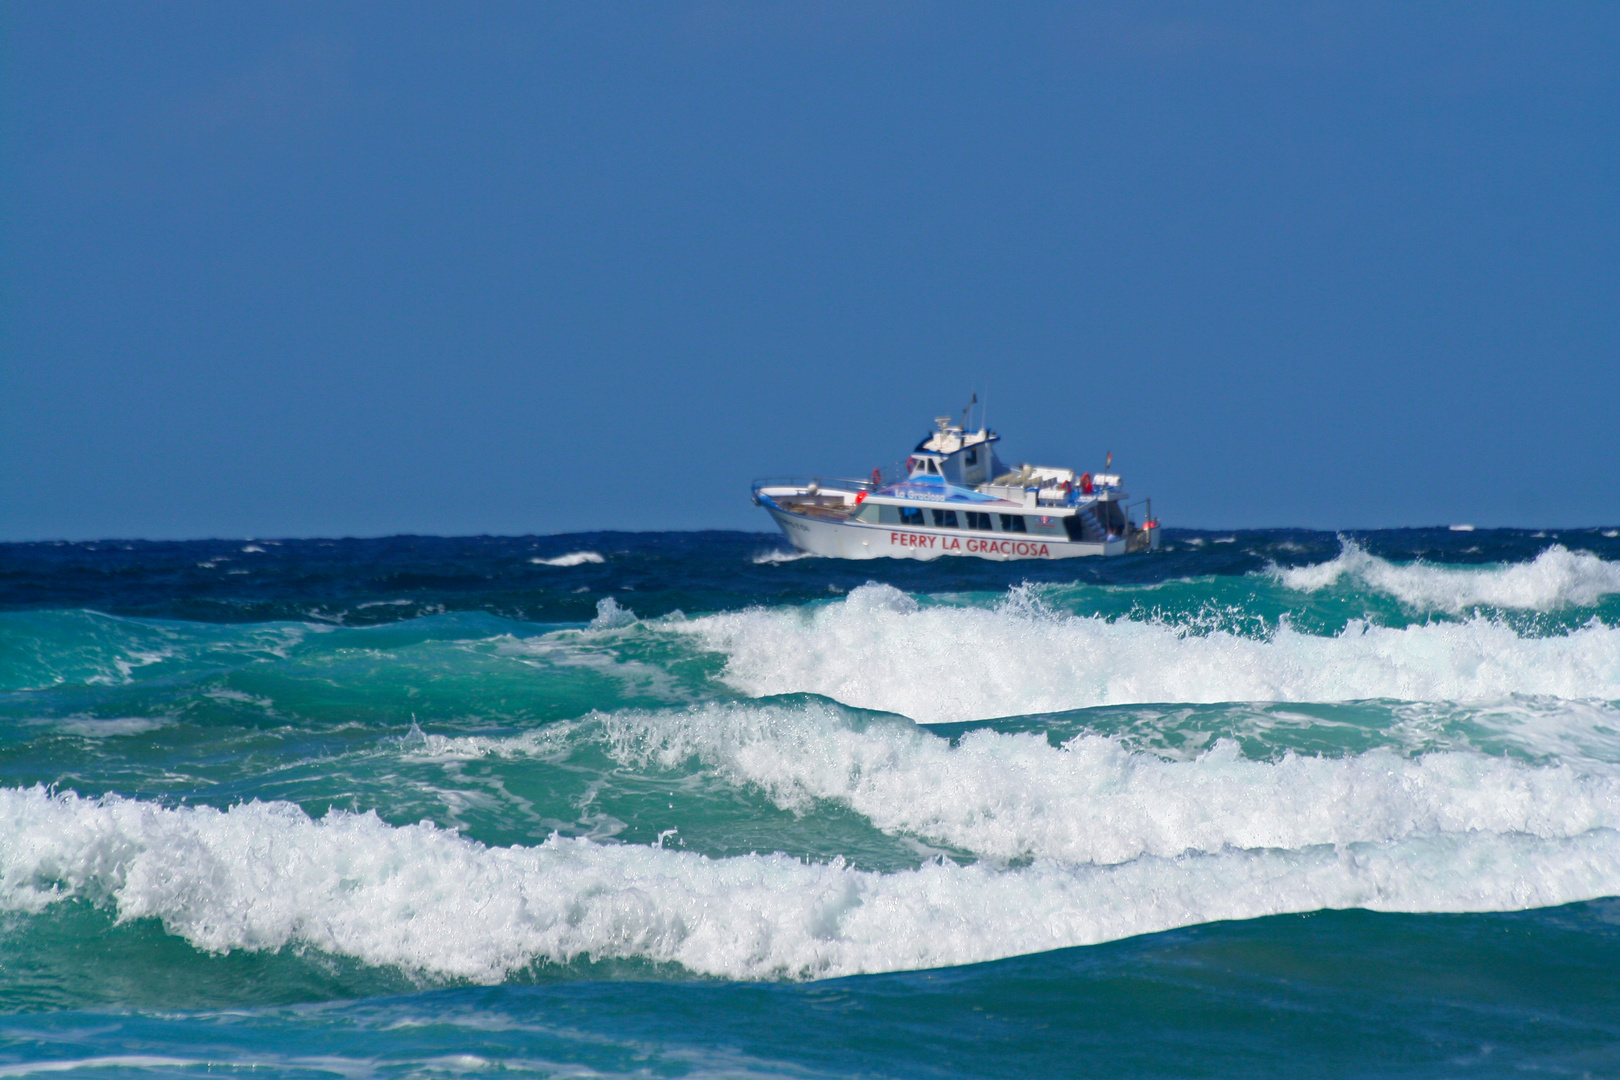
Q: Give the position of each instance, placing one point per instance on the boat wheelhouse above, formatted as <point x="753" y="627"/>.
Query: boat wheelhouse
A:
<point x="954" y="496"/>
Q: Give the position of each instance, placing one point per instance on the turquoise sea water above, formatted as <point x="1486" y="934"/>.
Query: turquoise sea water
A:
<point x="687" y="805"/>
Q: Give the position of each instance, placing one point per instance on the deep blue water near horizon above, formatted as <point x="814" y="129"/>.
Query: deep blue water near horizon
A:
<point x="684" y="804"/>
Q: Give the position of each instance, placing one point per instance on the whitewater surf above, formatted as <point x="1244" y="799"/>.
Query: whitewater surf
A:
<point x="612" y="799"/>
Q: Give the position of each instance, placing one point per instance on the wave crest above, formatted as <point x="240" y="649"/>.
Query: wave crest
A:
<point x="1555" y="579"/>
<point x="879" y="649"/>
<point x="573" y="558"/>
<point x="264" y="876"/>
<point x="1010" y="796"/>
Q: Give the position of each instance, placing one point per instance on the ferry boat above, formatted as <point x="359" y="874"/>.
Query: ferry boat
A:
<point x="954" y="496"/>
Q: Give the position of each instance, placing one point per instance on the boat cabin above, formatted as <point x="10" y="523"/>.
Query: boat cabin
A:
<point x="964" y="458"/>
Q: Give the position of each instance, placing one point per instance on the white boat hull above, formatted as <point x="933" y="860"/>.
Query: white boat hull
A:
<point x="858" y="540"/>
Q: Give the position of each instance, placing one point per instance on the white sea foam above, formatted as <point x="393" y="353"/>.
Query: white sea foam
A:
<point x="573" y="558"/>
<point x="879" y="649"/>
<point x="109" y="727"/>
<point x="108" y="1061"/>
<point x="264" y="876"/>
<point x="1557" y="578"/>
<point x="552" y="740"/>
<point x="1585" y="734"/>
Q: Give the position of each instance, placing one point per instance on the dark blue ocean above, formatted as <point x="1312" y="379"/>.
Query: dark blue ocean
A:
<point x="1267" y="803"/>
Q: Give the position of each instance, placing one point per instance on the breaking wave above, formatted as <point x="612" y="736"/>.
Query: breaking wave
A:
<point x="879" y="649"/>
<point x="1011" y="796"/>
<point x="264" y="876"/>
<point x="1557" y="578"/>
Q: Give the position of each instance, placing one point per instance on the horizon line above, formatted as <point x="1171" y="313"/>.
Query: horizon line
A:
<point x="1458" y="527"/>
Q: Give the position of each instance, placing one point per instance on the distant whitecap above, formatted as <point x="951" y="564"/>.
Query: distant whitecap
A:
<point x="772" y="558"/>
<point x="573" y="558"/>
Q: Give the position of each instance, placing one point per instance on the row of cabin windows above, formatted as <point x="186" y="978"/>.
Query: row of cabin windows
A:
<point x="949" y="519"/>
<point x="1097" y="523"/>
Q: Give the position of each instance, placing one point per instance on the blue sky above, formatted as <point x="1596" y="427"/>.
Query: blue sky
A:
<point x="296" y="270"/>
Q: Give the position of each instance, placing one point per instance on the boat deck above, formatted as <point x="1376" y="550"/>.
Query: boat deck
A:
<point x="816" y="506"/>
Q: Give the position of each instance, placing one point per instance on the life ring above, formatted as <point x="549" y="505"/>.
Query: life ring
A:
<point x="877" y="477"/>
<point x="1085" y="484"/>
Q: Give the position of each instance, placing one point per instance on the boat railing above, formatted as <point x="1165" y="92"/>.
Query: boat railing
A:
<point x="838" y="483"/>
<point x="888" y="474"/>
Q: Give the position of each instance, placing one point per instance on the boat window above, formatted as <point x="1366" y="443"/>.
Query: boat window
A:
<point x="933" y="466"/>
<point x="911" y="515"/>
<point x="972" y="457"/>
<point x="945" y="519"/>
<point x="976" y="520"/>
<point x="1013" y="523"/>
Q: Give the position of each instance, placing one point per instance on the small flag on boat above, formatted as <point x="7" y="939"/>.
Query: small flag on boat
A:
<point x="1109" y="464"/>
